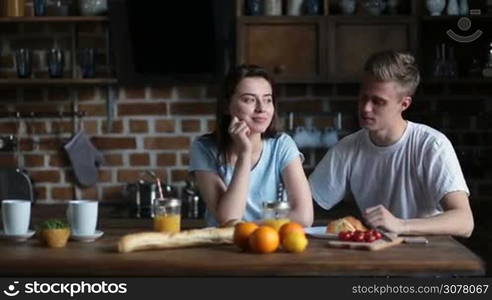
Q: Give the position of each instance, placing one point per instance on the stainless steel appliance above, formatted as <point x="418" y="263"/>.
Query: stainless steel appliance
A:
<point x="141" y="195"/>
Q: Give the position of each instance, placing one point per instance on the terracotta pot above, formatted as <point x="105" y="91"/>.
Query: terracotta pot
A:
<point x="55" y="238"/>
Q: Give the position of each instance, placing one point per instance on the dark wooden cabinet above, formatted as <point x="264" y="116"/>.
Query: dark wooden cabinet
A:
<point x="332" y="47"/>
<point x="289" y="48"/>
<point x="353" y="40"/>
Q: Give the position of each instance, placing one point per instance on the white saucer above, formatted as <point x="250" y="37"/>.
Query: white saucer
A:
<point x="319" y="232"/>
<point x="87" y="238"/>
<point x="17" y="237"/>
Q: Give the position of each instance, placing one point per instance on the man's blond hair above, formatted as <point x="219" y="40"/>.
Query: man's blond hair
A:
<point x="395" y="66"/>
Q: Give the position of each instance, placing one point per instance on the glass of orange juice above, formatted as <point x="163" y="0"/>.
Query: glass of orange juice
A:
<point x="167" y="215"/>
<point x="275" y="214"/>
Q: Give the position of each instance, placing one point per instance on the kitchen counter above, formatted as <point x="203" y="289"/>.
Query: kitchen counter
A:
<point x="442" y="257"/>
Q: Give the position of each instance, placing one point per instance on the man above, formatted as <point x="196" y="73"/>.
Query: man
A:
<point x="404" y="176"/>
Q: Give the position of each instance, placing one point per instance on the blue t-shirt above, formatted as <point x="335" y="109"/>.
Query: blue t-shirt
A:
<point x="265" y="177"/>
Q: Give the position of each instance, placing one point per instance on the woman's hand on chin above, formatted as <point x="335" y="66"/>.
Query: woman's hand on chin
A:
<point x="240" y="132"/>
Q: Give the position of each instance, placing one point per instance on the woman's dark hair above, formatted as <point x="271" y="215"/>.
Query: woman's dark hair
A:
<point x="223" y="118"/>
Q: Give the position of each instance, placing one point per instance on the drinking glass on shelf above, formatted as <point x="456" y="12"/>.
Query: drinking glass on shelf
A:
<point x="39" y="7"/>
<point x="253" y="7"/>
<point x="87" y="62"/>
<point x="313" y="7"/>
<point x="294" y="7"/>
<point x="60" y="8"/>
<point x="55" y="62"/>
<point x="273" y="7"/>
<point x="23" y="61"/>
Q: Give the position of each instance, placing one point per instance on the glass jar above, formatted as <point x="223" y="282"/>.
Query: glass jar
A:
<point x="167" y="215"/>
<point x="93" y="7"/>
<point x="273" y="7"/>
<point x="60" y="8"/>
<point x="374" y="7"/>
<point x="275" y="214"/>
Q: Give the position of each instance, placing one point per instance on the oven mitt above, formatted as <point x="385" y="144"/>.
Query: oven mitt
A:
<point x="85" y="159"/>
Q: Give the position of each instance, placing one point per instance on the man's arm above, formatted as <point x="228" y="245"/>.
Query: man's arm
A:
<point x="457" y="218"/>
<point x="329" y="179"/>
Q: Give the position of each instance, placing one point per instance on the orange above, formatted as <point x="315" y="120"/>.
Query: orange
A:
<point x="242" y="231"/>
<point x="295" y="241"/>
<point x="289" y="227"/>
<point x="265" y="239"/>
<point x="275" y="223"/>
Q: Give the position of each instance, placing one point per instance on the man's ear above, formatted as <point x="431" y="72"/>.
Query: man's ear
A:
<point x="406" y="102"/>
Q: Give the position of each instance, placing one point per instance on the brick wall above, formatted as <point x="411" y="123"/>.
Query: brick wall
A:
<point x="152" y="130"/>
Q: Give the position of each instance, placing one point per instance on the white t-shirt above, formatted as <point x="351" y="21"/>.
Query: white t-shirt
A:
<point x="409" y="177"/>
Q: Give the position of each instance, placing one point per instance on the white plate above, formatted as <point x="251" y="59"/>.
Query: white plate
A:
<point x="87" y="238"/>
<point x="319" y="232"/>
<point x="17" y="237"/>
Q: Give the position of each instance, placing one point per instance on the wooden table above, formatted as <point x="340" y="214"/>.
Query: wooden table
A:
<point x="443" y="256"/>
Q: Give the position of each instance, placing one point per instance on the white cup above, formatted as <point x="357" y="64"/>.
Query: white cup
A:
<point x="301" y="137"/>
<point x="294" y="7"/>
<point x="273" y="7"/>
<point x="329" y="137"/>
<point x="16" y="215"/>
<point x="314" y="137"/>
<point x="82" y="216"/>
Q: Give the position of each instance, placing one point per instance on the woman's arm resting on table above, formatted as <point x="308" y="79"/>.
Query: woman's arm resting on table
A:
<point x="299" y="193"/>
<point x="226" y="203"/>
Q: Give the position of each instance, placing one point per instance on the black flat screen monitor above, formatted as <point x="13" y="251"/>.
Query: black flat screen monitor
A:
<point x="171" y="41"/>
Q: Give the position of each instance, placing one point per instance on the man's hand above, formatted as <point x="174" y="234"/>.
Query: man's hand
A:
<point x="379" y="216"/>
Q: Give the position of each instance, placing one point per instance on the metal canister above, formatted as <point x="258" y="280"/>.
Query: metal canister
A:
<point x="192" y="204"/>
<point x="193" y="209"/>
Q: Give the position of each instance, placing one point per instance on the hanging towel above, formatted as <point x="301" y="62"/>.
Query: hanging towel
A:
<point x="85" y="159"/>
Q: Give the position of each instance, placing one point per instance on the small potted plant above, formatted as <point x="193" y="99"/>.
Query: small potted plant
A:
<point x="54" y="232"/>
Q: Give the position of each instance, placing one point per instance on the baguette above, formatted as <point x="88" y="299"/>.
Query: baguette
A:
<point x="187" y="238"/>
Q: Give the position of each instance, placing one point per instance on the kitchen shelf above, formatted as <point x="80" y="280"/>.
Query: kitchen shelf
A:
<point x="73" y="23"/>
<point x="457" y="80"/>
<point x="54" y="19"/>
<point x="317" y="81"/>
<point x="279" y="19"/>
<point x="352" y="18"/>
<point x="368" y="18"/>
<point x="57" y="82"/>
<point x="356" y="81"/>
<point x="455" y="18"/>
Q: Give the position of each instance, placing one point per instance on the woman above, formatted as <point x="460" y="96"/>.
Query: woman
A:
<point x="242" y="163"/>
